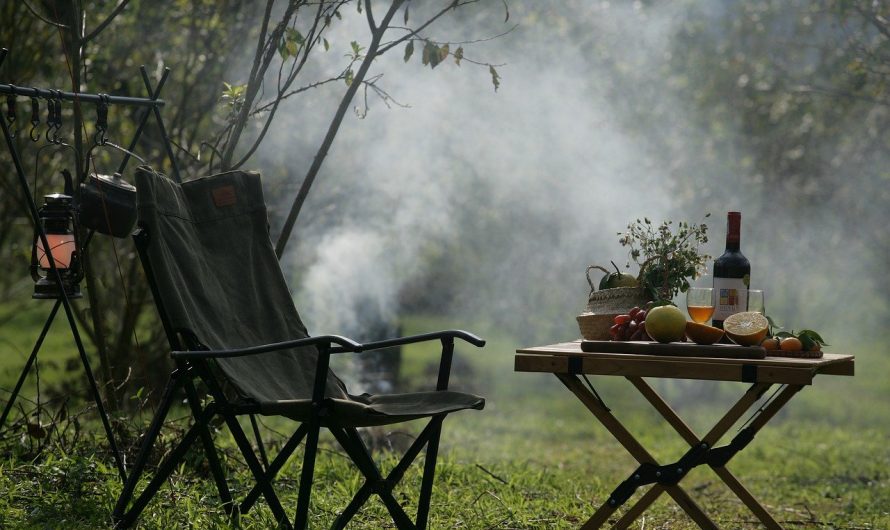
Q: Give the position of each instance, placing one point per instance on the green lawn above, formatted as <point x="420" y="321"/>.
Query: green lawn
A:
<point x="533" y="458"/>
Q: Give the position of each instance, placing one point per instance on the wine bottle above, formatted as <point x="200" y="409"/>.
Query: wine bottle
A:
<point x="732" y="274"/>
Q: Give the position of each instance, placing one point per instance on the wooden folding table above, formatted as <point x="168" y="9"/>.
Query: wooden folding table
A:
<point x="571" y="362"/>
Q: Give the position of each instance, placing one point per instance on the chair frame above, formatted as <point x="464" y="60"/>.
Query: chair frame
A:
<point x="191" y="359"/>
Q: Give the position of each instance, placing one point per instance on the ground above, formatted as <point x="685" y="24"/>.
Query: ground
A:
<point x="534" y="458"/>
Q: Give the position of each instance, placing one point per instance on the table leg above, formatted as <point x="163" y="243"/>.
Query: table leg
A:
<point x="719" y="430"/>
<point x="636" y="450"/>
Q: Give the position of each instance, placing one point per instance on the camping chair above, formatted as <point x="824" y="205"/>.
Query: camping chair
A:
<point x="232" y="325"/>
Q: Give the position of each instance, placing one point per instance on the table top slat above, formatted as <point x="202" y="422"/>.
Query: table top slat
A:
<point x="573" y="349"/>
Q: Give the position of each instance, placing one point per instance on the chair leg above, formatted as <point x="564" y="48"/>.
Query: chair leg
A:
<point x="147" y="443"/>
<point x="259" y="441"/>
<point x="164" y="471"/>
<point x="429" y="472"/>
<point x="274" y="467"/>
<point x="210" y="450"/>
<point x="301" y="520"/>
<point x="257" y="469"/>
<point x="361" y="456"/>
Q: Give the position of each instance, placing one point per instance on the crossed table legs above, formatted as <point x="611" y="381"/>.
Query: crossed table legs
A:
<point x="665" y="478"/>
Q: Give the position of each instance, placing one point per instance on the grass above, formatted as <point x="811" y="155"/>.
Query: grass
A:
<point x="534" y="458"/>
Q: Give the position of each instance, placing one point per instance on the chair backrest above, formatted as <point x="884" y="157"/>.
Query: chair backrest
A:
<point x="216" y="275"/>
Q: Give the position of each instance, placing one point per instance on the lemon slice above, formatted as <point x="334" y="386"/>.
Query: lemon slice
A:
<point x="747" y="328"/>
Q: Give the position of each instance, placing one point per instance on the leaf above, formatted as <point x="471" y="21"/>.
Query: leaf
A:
<point x="443" y="53"/>
<point x="458" y="55"/>
<point x="294" y="35"/>
<point x="350" y="75"/>
<point x="406" y="13"/>
<point x="810" y="334"/>
<point x="356" y="48"/>
<point x="409" y="50"/>
<point x="506" y="11"/>
<point x="428" y="52"/>
<point x="495" y="78"/>
<point x="327" y="45"/>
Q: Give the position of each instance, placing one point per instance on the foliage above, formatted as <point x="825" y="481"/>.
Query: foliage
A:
<point x="667" y="259"/>
<point x="219" y="106"/>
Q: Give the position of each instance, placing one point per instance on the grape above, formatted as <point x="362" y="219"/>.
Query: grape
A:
<point x="622" y="319"/>
<point x="633" y="312"/>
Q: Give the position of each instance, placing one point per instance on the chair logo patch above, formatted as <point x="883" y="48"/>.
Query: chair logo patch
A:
<point x="224" y="196"/>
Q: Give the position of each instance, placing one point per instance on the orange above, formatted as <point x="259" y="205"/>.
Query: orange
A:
<point x="702" y="333"/>
<point x="770" y="344"/>
<point x="747" y="328"/>
<point x="791" y="344"/>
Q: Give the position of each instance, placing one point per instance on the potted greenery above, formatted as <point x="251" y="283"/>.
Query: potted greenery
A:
<point x="667" y="259"/>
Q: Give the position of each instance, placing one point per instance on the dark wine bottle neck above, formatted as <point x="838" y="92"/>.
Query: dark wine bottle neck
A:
<point x="733" y="246"/>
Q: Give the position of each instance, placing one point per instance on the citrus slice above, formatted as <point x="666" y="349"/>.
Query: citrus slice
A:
<point x="703" y="333"/>
<point x="747" y="328"/>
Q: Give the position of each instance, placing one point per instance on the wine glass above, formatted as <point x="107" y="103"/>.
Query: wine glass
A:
<point x="756" y="300"/>
<point x="700" y="303"/>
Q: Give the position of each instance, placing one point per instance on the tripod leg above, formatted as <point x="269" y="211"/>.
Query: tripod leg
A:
<point x="21" y="381"/>
<point x="96" y="395"/>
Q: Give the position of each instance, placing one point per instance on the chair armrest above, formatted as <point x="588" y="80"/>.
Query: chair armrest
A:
<point x="436" y="335"/>
<point x="344" y="344"/>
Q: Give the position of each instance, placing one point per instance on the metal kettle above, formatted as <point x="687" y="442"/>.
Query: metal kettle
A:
<point x="108" y="204"/>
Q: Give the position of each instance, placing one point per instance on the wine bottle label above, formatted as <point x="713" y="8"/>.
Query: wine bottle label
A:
<point x="731" y="296"/>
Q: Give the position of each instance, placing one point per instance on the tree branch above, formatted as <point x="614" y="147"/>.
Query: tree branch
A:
<point x="104" y="24"/>
<point x="297" y="205"/>
<point x="41" y="17"/>
<point x="455" y="4"/>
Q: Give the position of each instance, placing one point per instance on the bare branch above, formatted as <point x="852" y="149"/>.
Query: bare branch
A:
<point x="370" y="16"/>
<point x="875" y="21"/>
<point x="41" y="17"/>
<point x="413" y="33"/>
<point x="297" y="205"/>
<point x="104" y="24"/>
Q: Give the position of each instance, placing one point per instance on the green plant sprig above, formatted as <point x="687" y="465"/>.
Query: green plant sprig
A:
<point x="667" y="259"/>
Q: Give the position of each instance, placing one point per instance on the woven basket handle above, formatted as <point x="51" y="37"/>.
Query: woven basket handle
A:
<point x="587" y="273"/>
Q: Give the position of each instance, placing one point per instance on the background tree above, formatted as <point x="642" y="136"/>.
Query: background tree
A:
<point x="213" y="125"/>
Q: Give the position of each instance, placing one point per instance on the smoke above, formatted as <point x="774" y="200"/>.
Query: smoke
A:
<point x="490" y="205"/>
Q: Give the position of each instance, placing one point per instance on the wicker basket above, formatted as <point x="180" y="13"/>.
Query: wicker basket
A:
<point x="615" y="301"/>
<point x="595" y="327"/>
<point x="603" y="306"/>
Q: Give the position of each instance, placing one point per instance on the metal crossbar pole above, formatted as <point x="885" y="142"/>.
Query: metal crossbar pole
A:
<point x="79" y="96"/>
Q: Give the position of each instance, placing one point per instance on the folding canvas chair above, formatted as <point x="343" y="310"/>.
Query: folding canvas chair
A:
<point x="232" y="325"/>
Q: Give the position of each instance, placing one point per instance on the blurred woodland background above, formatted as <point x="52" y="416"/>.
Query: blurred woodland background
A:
<point x="484" y="162"/>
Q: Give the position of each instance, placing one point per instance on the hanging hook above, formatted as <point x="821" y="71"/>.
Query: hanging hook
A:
<point x="56" y="135"/>
<point x="35" y="119"/>
<point x="100" y="138"/>
<point x="10" y="113"/>
<point x="50" y="116"/>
